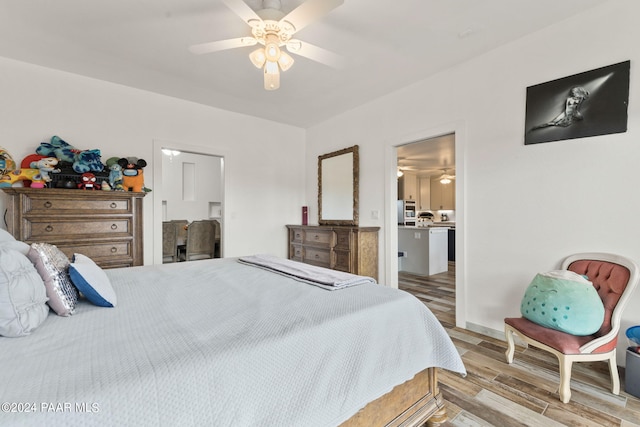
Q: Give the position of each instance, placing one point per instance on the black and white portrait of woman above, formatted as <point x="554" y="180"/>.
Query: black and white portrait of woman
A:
<point x="586" y="104"/>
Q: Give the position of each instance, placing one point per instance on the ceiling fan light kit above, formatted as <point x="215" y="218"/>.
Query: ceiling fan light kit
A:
<point x="271" y="28"/>
<point x="446" y="178"/>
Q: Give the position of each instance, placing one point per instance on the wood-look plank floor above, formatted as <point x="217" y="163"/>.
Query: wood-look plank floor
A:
<point x="525" y="393"/>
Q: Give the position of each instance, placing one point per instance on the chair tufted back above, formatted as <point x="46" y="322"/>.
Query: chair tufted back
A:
<point x="610" y="280"/>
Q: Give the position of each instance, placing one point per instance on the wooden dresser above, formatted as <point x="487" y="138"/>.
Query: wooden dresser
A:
<point x="343" y="248"/>
<point x="106" y="226"/>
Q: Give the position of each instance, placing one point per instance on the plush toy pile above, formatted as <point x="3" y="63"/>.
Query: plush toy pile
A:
<point x="58" y="164"/>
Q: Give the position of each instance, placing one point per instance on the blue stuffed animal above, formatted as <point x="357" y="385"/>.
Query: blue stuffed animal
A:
<point x="59" y="149"/>
<point x="115" y="174"/>
<point x="88" y="161"/>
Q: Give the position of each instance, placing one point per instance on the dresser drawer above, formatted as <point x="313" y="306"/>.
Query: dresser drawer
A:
<point x="324" y="238"/>
<point x="317" y="256"/>
<point x="296" y="235"/>
<point x="343" y="261"/>
<point x="40" y="230"/>
<point x="100" y="251"/>
<point x="343" y="239"/>
<point x="297" y="252"/>
<point x="84" y="207"/>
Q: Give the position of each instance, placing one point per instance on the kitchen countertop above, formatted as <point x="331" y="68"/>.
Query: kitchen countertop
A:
<point x="435" y="224"/>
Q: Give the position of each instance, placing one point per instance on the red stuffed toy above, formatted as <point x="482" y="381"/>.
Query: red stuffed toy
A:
<point x="88" y="182"/>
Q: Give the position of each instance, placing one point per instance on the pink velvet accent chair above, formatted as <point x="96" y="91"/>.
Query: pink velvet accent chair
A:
<point x="614" y="277"/>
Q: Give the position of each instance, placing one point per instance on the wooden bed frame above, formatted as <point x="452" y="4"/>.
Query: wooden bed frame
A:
<point x="411" y="404"/>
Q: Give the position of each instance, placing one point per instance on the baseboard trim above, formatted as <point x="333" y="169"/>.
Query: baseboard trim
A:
<point x="493" y="333"/>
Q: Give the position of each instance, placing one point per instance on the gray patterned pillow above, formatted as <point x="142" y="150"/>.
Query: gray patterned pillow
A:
<point x="23" y="299"/>
<point x="53" y="266"/>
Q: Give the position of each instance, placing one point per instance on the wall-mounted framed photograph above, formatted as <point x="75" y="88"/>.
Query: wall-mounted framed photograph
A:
<point x="586" y="104"/>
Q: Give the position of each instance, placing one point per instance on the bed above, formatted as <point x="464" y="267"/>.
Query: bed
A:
<point x="225" y="343"/>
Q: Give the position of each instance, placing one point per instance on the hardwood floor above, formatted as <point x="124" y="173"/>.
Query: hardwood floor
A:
<point x="525" y="393"/>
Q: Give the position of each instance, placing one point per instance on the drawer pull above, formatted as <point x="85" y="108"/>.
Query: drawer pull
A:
<point x="114" y="250"/>
<point x="48" y="228"/>
<point x="316" y="237"/>
<point x="113" y="205"/>
<point x="114" y="226"/>
<point x="317" y="256"/>
<point x="48" y="204"/>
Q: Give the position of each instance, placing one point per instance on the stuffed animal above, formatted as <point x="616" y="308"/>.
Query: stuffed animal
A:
<point x="6" y="162"/>
<point x="88" y="161"/>
<point x="88" y="182"/>
<point x="46" y="165"/>
<point x="59" y="149"/>
<point x="115" y="174"/>
<point x="25" y="174"/>
<point x="132" y="174"/>
<point x="82" y="160"/>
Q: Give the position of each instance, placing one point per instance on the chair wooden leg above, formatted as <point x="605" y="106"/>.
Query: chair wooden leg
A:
<point x="615" y="376"/>
<point x="565" y="378"/>
<point x="510" y="344"/>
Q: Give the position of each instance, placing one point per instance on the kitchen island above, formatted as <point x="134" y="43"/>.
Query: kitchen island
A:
<point x="423" y="250"/>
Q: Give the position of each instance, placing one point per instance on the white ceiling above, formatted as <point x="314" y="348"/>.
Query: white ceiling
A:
<point x="386" y="44"/>
<point x="430" y="157"/>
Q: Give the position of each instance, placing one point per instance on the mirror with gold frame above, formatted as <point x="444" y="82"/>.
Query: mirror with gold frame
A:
<point x="338" y="187"/>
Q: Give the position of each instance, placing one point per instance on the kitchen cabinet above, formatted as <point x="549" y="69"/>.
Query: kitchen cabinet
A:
<point x="106" y="226"/>
<point x="408" y="186"/>
<point x="452" y="244"/>
<point x="443" y="196"/>
<point x="424" y="202"/>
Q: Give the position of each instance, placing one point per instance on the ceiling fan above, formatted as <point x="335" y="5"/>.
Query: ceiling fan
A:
<point x="445" y="178"/>
<point x="272" y="29"/>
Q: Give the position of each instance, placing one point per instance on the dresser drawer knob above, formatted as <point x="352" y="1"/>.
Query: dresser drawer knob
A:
<point x="48" y="204"/>
<point x="114" y="250"/>
<point x="48" y="228"/>
<point x="317" y="256"/>
<point x="113" y="205"/>
<point x="316" y="237"/>
<point x="114" y="226"/>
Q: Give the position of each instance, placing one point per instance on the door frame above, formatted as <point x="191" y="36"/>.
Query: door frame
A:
<point x="457" y="128"/>
<point x="158" y="145"/>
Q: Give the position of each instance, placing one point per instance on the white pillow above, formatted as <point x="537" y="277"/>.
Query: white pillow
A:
<point x="53" y="266"/>
<point x="92" y="281"/>
<point x="23" y="297"/>
<point x="8" y="241"/>
<point x="5" y="236"/>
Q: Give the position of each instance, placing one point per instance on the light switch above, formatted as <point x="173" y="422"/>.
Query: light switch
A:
<point x="417" y="235"/>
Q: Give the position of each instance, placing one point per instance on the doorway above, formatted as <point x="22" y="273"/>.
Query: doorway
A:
<point x="454" y="165"/>
<point x="426" y="181"/>
<point x="189" y="186"/>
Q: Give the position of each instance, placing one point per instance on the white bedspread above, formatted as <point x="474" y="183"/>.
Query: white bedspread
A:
<point x="219" y="343"/>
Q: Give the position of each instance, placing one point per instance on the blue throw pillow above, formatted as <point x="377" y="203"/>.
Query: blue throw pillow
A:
<point x="92" y="281"/>
<point x="565" y="301"/>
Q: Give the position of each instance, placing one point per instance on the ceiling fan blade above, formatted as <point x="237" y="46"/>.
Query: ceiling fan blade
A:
<point x="315" y="53"/>
<point x="243" y="10"/>
<point x="308" y="12"/>
<point x="216" y="46"/>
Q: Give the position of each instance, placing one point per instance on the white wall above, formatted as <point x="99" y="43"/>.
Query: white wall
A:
<point x="522" y="208"/>
<point x="191" y="183"/>
<point x="264" y="161"/>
